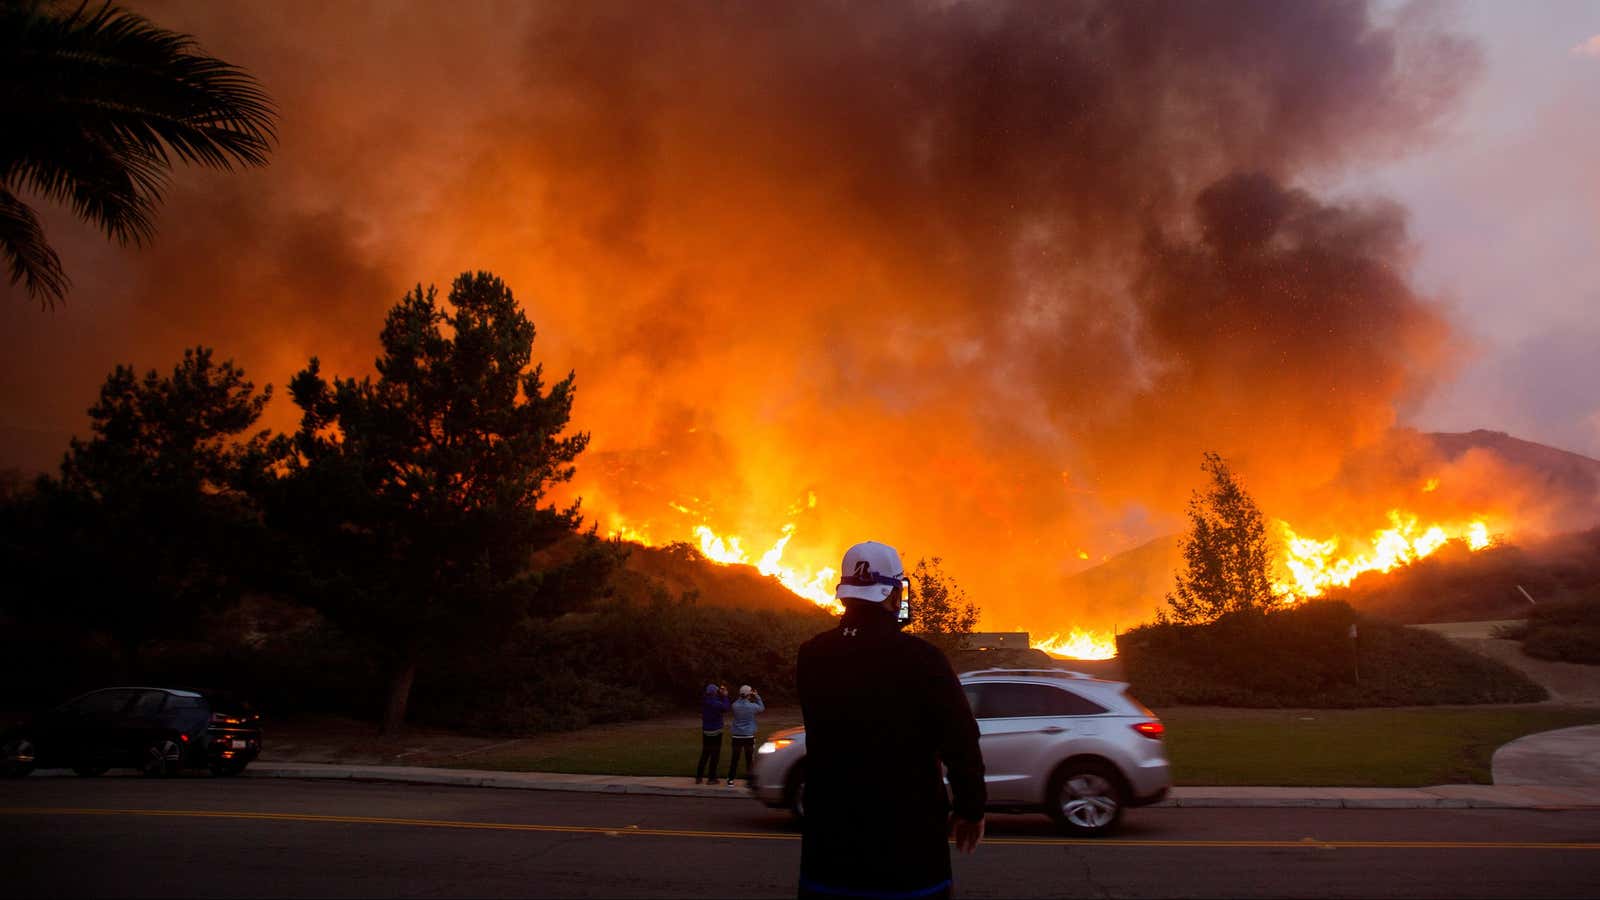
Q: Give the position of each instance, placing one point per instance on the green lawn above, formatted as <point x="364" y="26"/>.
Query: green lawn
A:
<point x="1209" y="746"/>
<point x="1409" y="747"/>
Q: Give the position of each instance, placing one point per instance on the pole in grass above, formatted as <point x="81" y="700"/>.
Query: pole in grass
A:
<point x="1355" y="657"/>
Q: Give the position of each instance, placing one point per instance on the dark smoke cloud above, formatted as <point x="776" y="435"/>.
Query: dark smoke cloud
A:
<point x="985" y="276"/>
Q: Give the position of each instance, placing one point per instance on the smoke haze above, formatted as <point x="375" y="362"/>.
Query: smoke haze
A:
<point x="985" y="278"/>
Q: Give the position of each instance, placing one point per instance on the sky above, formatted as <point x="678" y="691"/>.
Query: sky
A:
<point x="1505" y="212"/>
<point x="986" y="276"/>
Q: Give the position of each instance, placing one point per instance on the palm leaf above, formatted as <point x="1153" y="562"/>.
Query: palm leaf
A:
<point x="98" y="105"/>
<point x="31" y="260"/>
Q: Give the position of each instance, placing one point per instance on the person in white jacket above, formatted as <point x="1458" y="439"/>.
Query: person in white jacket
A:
<point x="745" y="710"/>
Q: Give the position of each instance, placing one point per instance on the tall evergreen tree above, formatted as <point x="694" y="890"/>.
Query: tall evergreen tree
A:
<point x="145" y="527"/>
<point x="417" y="498"/>
<point x="1227" y="559"/>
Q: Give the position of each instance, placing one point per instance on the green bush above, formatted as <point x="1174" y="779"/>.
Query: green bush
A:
<point x="1572" y="644"/>
<point x="1564" y="628"/>
<point x="1304" y="657"/>
<point x="618" y="662"/>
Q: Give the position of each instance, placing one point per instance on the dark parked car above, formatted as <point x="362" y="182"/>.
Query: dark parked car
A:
<point x="155" y="730"/>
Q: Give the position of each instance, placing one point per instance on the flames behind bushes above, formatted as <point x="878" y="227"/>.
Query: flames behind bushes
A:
<point x="984" y="276"/>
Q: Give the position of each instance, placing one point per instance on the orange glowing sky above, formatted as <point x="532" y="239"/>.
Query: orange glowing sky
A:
<point x="984" y="279"/>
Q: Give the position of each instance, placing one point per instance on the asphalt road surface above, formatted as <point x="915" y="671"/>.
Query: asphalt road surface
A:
<point x="199" y="836"/>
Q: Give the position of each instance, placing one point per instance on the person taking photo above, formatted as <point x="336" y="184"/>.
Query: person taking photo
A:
<point x="713" y="705"/>
<point x="743" y="730"/>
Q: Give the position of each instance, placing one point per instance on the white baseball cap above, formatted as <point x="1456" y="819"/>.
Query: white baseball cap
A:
<point x="870" y="572"/>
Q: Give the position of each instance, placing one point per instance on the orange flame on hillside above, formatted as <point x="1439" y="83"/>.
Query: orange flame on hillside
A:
<point x="814" y="584"/>
<point x="1308" y="567"/>
<point x="1313" y="566"/>
<point x="1079" y="644"/>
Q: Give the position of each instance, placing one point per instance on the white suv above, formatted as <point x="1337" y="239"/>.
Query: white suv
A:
<point x="1078" y="748"/>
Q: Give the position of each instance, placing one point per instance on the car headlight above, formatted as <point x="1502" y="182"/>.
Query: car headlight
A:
<point x="774" y="746"/>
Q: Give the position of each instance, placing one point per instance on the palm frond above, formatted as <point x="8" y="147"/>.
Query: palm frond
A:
<point x="31" y="260"/>
<point x="98" y="104"/>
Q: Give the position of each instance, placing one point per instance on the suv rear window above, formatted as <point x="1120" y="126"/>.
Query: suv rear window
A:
<point x="1013" y="700"/>
<point x="99" y="703"/>
<point x="148" y="704"/>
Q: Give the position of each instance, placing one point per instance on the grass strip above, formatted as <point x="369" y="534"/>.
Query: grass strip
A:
<point x="1411" y="747"/>
<point x="1208" y="746"/>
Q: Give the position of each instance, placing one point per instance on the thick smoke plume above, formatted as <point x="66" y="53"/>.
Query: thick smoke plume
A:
<point x="985" y="277"/>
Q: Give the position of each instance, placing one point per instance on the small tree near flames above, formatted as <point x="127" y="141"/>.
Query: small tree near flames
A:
<point x="1226" y="555"/>
<point x="417" y="499"/>
<point x="940" y="611"/>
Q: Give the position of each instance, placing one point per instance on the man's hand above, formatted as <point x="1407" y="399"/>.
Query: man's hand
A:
<point x="966" y="834"/>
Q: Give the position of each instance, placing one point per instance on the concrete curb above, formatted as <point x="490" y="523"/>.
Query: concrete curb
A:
<point x="526" y="781"/>
<point x="1450" y="796"/>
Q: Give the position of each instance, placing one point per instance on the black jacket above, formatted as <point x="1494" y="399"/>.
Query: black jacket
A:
<point x="882" y="711"/>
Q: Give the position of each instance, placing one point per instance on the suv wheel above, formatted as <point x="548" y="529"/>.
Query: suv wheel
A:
<point x="162" y="758"/>
<point x="1085" y="799"/>
<point x="17" y="757"/>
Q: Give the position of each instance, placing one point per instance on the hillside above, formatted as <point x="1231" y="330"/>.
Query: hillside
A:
<point x="1456" y="586"/>
<point x="1130" y="585"/>
<point x="1560" y="471"/>
<point x="681" y="572"/>
<point x="676" y="572"/>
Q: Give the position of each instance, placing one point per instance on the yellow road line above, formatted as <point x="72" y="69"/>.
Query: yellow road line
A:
<point x="784" y="836"/>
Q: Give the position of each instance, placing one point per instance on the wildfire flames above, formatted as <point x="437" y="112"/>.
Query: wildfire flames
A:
<point x="1313" y="566"/>
<point x="813" y="583"/>
<point x="1308" y="567"/>
<point x="1079" y="644"/>
<point x="816" y="585"/>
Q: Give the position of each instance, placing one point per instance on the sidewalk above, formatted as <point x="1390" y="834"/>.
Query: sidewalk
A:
<point x="1449" y="796"/>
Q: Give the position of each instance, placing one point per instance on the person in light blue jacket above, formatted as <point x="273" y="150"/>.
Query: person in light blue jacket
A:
<point x="745" y="710"/>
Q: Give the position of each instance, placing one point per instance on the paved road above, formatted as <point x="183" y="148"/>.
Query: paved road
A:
<point x="197" y="836"/>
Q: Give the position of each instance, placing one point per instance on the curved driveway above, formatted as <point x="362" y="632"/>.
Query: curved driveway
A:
<point x="1568" y="757"/>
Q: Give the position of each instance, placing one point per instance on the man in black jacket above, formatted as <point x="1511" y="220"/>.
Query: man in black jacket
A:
<point x="882" y="711"/>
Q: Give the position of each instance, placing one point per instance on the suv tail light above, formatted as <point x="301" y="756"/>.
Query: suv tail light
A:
<point x="1151" y="730"/>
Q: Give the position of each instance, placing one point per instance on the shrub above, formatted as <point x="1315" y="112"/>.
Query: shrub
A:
<point x="617" y="662"/>
<point x="1565" y="628"/>
<point x="1304" y="657"/>
<point x="1574" y="645"/>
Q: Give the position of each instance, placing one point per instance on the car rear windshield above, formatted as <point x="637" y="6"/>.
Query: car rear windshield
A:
<point x="1140" y="706"/>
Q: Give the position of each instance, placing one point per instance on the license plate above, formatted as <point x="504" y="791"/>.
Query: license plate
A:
<point x="240" y="745"/>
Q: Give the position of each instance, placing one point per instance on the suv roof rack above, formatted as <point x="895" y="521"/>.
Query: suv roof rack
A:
<point x="1049" y="673"/>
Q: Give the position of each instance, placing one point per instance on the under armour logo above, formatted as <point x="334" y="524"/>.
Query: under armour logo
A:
<point x="851" y="632"/>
